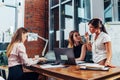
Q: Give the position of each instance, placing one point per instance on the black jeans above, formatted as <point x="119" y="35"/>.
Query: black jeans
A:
<point x="16" y="73"/>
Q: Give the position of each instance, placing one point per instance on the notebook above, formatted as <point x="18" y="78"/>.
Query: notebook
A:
<point x="65" y="56"/>
<point x="93" y="66"/>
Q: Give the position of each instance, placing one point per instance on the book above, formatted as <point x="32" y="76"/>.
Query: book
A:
<point x="92" y="66"/>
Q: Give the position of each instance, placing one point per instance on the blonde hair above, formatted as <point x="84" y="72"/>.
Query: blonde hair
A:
<point x="71" y="40"/>
<point x="9" y="49"/>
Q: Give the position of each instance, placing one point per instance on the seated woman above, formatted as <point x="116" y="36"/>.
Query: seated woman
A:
<point x="17" y="57"/>
<point x="75" y="42"/>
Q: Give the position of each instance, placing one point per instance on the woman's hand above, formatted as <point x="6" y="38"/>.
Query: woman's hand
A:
<point x="108" y="64"/>
<point x="42" y="59"/>
<point x="77" y="59"/>
<point x="87" y="37"/>
<point x="89" y="46"/>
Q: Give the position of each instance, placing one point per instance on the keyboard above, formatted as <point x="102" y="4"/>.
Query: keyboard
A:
<point x="47" y="62"/>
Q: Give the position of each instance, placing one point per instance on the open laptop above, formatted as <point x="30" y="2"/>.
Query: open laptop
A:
<point x="65" y="56"/>
<point x="50" y="56"/>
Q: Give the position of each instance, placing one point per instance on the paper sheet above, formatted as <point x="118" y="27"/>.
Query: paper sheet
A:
<point x="51" y="66"/>
<point x="93" y="66"/>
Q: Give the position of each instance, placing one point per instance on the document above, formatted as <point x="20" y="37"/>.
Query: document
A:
<point x="51" y="66"/>
<point x="93" y="66"/>
<point x="79" y="62"/>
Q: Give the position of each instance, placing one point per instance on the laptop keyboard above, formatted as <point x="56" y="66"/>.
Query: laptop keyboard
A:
<point x="47" y="62"/>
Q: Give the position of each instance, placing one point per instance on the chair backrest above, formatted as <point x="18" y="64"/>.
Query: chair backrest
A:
<point x="2" y="74"/>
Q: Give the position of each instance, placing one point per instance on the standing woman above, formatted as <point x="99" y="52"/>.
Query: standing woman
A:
<point x="75" y="42"/>
<point x="17" y="57"/>
<point x="101" y="46"/>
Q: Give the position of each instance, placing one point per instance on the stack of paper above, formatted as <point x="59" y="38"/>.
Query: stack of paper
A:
<point x="92" y="66"/>
<point x="51" y="66"/>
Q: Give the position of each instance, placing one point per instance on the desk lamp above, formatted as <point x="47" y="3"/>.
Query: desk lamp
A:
<point x="34" y="36"/>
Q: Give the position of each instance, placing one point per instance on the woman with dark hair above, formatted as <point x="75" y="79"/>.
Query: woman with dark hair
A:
<point x="17" y="57"/>
<point x="75" y="42"/>
<point x="101" y="46"/>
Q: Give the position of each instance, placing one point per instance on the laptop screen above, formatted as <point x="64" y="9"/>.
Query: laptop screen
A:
<point x="65" y="56"/>
<point x="50" y="55"/>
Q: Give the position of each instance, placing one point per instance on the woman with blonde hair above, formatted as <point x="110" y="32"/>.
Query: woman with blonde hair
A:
<point x="17" y="57"/>
<point x="75" y="42"/>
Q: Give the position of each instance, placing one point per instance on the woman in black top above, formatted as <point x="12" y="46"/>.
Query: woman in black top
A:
<point x="75" y="42"/>
<point x="77" y="50"/>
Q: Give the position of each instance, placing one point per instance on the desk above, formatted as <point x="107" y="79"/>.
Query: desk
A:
<point x="73" y="73"/>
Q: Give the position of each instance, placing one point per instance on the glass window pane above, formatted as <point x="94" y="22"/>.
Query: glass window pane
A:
<point x="67" y="21"/>
<point x="83" y="16"/>
<point x="68" y="27"/>
<point x="10" y="2"/>
<point x="108" y="10"/>
<point x="7" y="15"/>
<point x="119" y="10"/>
<point x="63" y="0"/>
<point x="68" y="9"/>
<point x="54" y="2"/>
<point x="83" y="9"/>
<point x="107" y="3"/>
<point x="55" y="20"/>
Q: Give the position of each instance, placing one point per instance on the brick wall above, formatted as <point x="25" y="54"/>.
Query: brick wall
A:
<point x="36" y="20"/>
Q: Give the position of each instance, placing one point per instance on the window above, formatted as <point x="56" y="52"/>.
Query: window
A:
<point x="108" y="10"/>
<point x="66" y="15"/>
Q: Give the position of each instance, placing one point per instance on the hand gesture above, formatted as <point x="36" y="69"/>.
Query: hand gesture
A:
<point x="109" y="64"/>
<point x="42" y="59"/>
<point x="87" y="36"/>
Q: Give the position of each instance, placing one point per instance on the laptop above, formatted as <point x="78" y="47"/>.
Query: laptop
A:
<point x="50" y="56"/>
<point x="65" y="56"/>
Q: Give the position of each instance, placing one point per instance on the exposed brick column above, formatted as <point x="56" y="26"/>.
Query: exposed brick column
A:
<point x="36" y="19"/>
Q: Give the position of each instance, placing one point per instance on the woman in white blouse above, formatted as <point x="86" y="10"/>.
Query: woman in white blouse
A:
<point x="101" y="46"/>
<point x="17" y="57"/>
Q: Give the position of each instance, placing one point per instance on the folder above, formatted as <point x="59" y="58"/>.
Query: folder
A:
<point x="92" y="66"/>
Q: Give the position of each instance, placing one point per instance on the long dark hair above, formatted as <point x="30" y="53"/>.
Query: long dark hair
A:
<point x="17" y="37"/>
<point x="97" y="23"/>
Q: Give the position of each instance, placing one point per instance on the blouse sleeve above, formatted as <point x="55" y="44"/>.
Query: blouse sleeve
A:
<point x="23" y="56"/>
<point x="106" y="38"/>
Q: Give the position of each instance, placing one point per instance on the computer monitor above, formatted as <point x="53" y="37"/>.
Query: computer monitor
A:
<point x="65" y="56"/>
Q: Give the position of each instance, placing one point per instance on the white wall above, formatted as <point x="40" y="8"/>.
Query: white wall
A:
<point x="97" y="9"/>
<point x="113" y="30"/>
